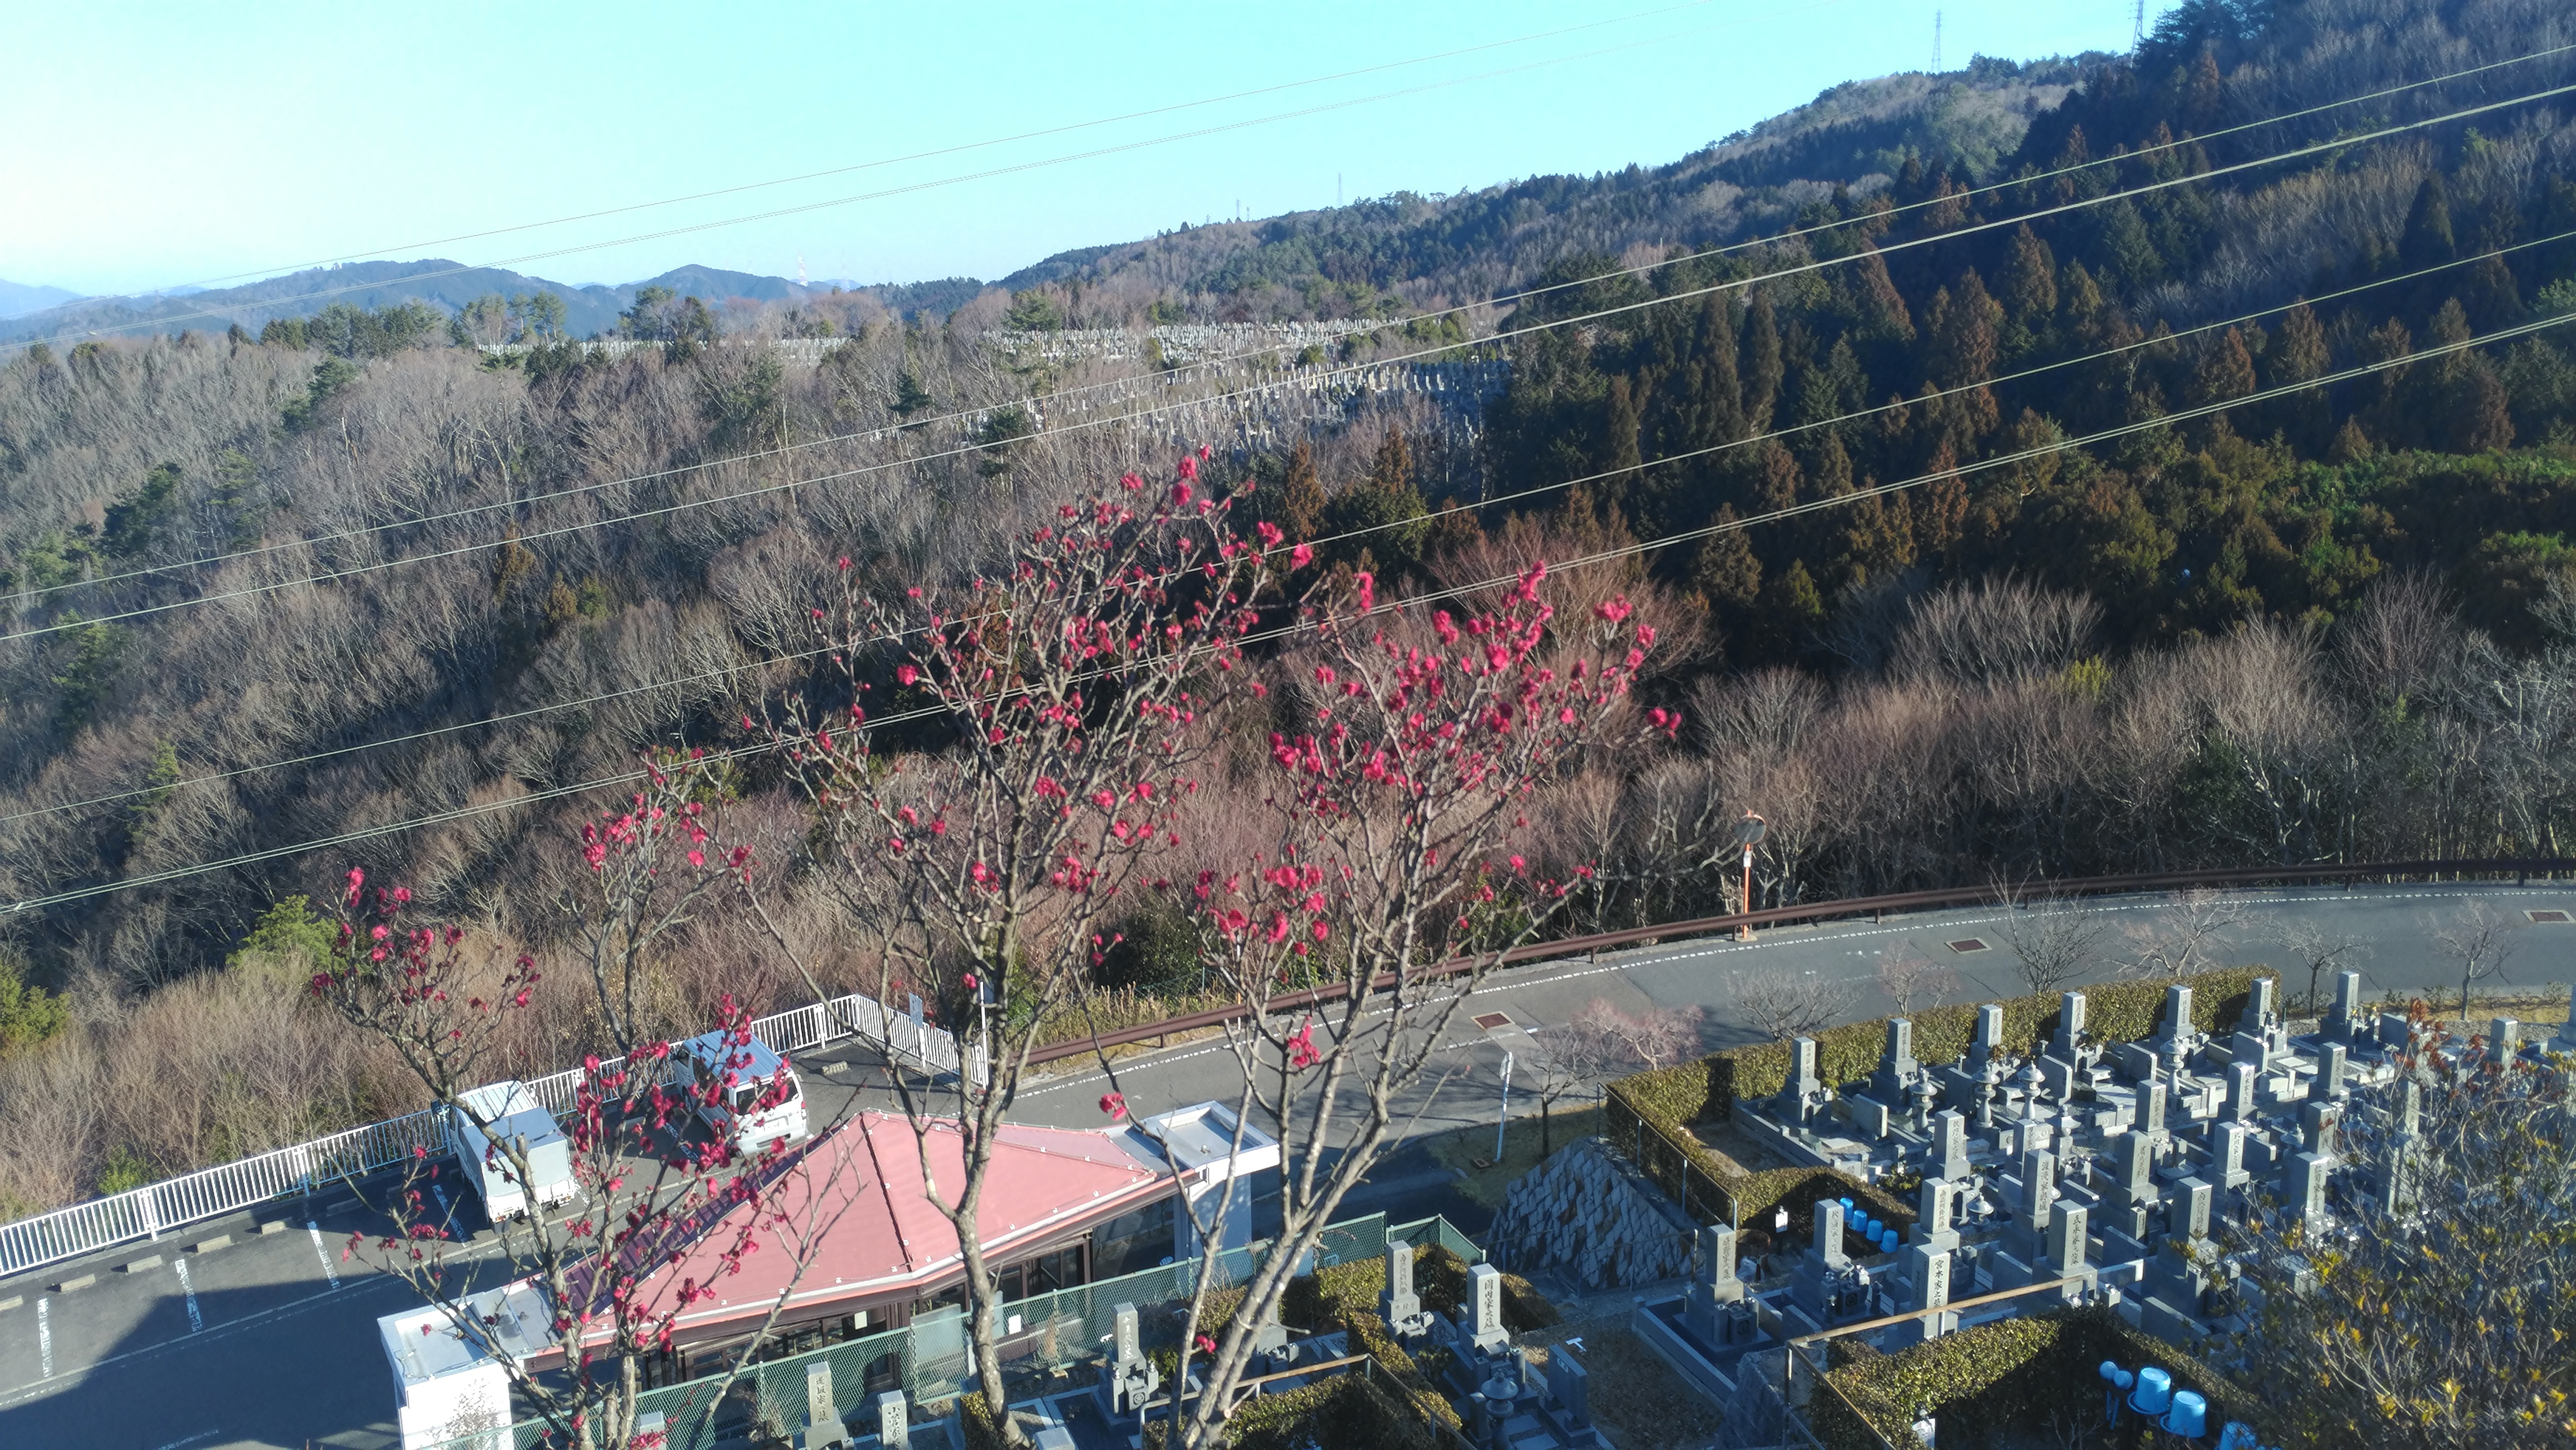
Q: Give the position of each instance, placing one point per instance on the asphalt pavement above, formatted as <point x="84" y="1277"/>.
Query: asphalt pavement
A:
<point x="269" y="1339"/>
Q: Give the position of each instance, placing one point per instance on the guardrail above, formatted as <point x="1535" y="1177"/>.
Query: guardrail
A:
<point x="146" y="1212"/>
<point x="1876" y="906"/>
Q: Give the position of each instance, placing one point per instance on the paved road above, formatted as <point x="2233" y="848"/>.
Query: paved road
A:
<point x="270" y="1341"/>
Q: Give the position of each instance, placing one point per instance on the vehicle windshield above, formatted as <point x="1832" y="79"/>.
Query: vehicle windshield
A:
<point x="747" y="1095"/>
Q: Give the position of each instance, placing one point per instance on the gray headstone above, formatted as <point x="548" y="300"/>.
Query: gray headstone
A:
<point x="894" y="1422"/>
<point x="2241" y="1077"/>
<point x="1898" y="1060"/>
<point x="1829" y="1233"/>
<point x="2344" y="1018"/>
<point x="1935" y="1201"/>
<point x="2317" y="1126"/>
<point x="1931" y="1270"/>
<point x="2504" y="1039"/>
<point x="1802" y="1061"/>
<point x="2070" y="1024"/>
<point x="2410" y="1110"/>
<point x="1990" y="1035"/>
<point x="2187" y="1217"/>
<point x="2308" y="1175"/>
<point x="2057" y="1076"/>
<point x="822" y="1415"/>
<point x="1124" y="1343"/>
<point x="2031" y="1135"/>
<point x="2177" y="1023"/>
<point x="2038" y="1186"/>
<point x="1572" y="1387"/>
<point x="2151" y="1107"/>
<point x="2137" y="1165"/>
<point x="1714" y="1264"/>
<point x="2066" y="1225"/>
<point x="1949" y="1156"/>
<point x="1485" y="1298"/>
<point x="2260" y="1013"/>
<point x="2328" y="1083"/>
<point x="2227" y="1146"/>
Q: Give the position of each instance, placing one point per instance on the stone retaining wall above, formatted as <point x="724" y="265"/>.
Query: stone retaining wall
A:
<point x="1590" y="1213"/>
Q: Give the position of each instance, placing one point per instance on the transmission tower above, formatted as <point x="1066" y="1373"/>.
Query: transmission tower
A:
<point x="1936" y="42"/>
<point x="2138" y="25"/>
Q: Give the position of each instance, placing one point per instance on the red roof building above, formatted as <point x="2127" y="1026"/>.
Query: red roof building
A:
<point x="1061" y="1207"/>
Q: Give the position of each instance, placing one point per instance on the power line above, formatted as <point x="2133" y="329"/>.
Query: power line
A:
<point x="1514" y="299"/>
<point x="1813" y="265"/>
<point x="910" y="189"/>
<point x="959" y="148"/>
<point x="370" y="833"/>
<point x="1859" y="415"/>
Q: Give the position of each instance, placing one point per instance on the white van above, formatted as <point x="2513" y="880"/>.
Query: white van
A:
<point x="745" y="1073"/>
<point x="511" y="1114"/>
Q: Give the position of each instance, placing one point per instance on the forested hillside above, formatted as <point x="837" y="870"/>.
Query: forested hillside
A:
<point x="2333" y="621"/>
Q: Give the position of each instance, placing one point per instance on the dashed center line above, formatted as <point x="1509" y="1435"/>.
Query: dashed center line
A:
<point x="196" y="1321"/>
<point x="45" y="1335"/>
<point x="330" y="1270"/>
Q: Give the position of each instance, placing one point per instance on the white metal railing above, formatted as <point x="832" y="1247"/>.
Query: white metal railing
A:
<point x="149" y="1211"/>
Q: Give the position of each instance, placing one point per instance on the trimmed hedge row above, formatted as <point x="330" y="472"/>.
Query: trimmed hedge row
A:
<point x="1999" y="1379"/>
<point x="1707" y="1090"/>
<point x="1647" y="1116"/>
<point x="1345" y="1409"/>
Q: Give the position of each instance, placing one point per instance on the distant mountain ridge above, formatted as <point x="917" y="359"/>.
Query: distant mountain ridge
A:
<point x="1445" y="250"/>
<point x="1343" y="261"/>
<point x="444" y="284"/>
<point x="17" y="298"/>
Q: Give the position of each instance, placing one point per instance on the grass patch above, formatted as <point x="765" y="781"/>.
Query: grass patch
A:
<point x="1462" y="1149"/>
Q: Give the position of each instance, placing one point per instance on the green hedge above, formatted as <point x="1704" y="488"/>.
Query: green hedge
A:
<point x="2007" y="1378"/>
<point x="1707" y="1090"/>
<point x="1648" y="1116"/>
<point x="1346" y="1409"/>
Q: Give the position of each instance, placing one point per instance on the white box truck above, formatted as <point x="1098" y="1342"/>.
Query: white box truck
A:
<point x="732" y="1080"/>
<point x="513" y="1115"/>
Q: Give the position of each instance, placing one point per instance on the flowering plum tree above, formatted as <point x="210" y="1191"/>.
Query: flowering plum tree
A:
<point x="1076" y="686"/>
<point x="1393" y="885"/>
<point x="597" y="1303"/>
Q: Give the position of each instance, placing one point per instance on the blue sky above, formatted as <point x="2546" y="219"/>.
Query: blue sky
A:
<point x="152" y="145"/>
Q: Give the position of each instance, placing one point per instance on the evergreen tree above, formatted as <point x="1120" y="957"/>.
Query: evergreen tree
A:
<point x="1727" y="573"/>
<point x="1301" y="508"/>
<point x="1878" y="308"/>
<point x="2427" y="241"/>
<point x="2029" y="282"/>
<point x="2126" y="253"/>
<point x="1762" y="365"/>
<point x="2226" y="370"/>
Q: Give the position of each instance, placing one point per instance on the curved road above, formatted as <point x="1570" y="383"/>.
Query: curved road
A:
<point x="270" y="1341"/>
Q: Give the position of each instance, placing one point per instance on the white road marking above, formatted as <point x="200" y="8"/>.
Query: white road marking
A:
<point x="329" y="1270"/>
<point x="196" y="1321"/>
<point x="193" y="1439"/>
<point x="45" y="1335"/>
<point x="22" y="1393"/>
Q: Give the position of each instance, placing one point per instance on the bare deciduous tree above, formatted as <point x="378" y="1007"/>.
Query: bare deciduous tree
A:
<point x="2184" y="938"/>
<point x="2051" y="936"/>
<point x="2480" y="940"/>
<point x="1912" y="979"/>
<point x="2313" y="942"/>
<point x="1781" y="1003"/>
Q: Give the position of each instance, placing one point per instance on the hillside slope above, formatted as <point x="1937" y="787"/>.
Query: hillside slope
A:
<point x="1431" y="251"/>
